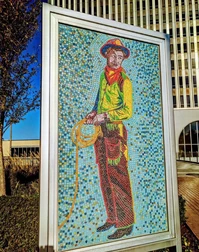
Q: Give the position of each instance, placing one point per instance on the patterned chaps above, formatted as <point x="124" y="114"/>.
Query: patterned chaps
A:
<point x="111" y="157"/>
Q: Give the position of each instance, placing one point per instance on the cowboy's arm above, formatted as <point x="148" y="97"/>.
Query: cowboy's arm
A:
<point x="126" y="110"/>
<point x="93" y="113"/>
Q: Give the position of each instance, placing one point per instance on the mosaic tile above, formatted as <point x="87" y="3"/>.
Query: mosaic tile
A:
<point x="80" y="65"/>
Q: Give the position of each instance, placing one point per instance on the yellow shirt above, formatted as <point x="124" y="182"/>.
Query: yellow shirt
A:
<point x="117" y="103"/>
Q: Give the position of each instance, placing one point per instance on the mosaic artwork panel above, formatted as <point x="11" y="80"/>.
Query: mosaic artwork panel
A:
<point x="80" y="66"/>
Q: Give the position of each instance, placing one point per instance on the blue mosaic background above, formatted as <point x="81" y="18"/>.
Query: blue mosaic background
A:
<point x="80" y="66"/>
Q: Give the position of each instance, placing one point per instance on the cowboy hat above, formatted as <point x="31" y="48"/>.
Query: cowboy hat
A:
<point x="115" y="44"/>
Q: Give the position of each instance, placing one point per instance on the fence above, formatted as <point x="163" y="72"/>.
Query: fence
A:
<point x="189" y="158"/>
<point x="22" y="161"/>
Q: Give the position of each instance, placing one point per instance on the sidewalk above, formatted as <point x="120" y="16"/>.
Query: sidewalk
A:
<point x="188" y="187"/>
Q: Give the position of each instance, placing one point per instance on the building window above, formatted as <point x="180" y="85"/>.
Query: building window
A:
<point x="170" y="17"/>
<point x="157" y="18"/>
<point x="172" y="64"/>
<point x="24" y="151"/>
<point x="177" y="16"/>
<point x="186" y="63"/>
<point x="180" y="82"/>
<point x="174" y="102"/>
<point x="197" y="30"/>
<point x="143" y="5"/>
<point x="197" y="13"/>
<point x="196" y="100"/>
<point x="184" y="32"/>
<point x="173" y="82"/>
<point x="183" y="16"/>
<point x="191" y="31"/>
<point x="180" y="64"/>
<point x="171" y="48"/>
<point x="182" y="101"/>
<point x="192" y="47"/>
<point x="185" y="48"/>
<point x="179" y="49"/>
<point x="164" y="18"/>
<point x="178" y="32"/>
<point x="150" y="4"/>
<point x="190" y="15"/>
<point x="187" y="81"/>
<point x="193" y="63"/>
<point x="171" y="33"/>
<point x="188" y="101"/>
<point x="189" y="141"/>
<point x="151" y="19"/>
<point x="194" y="81"/>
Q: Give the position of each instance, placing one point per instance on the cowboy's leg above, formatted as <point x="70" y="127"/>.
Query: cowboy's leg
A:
<point x="119" y="178"/>
<point x="105" y="182"/>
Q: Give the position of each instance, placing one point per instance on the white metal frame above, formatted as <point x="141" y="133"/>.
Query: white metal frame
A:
<point x="52" y="16"/>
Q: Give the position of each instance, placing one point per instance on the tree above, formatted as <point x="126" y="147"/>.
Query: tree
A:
<point x="19" y="22"/>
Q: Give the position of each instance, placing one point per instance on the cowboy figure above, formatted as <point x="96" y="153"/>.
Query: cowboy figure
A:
<point x="113" y="105"/>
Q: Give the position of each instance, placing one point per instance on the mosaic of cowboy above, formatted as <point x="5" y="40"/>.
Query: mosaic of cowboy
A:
<point x="113" y="105"/>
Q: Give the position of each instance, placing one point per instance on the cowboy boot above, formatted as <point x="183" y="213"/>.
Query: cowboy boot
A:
<point x="119" y="233"/>
<point x="105" y="227"/>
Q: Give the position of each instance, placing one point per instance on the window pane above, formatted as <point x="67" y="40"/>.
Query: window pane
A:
<point x="196" y="100"/>
<point x="188" y="101"/>
<point x="180" y="82"/>
<point x="185" y="48"/>
<point x="179" y="49"/>
<point x="174" y="102"/>
<point x="172" y="64"/>
<point x="187" y="81"/>
<point x="191" y="31"/>
<point x="188" y="150"/>
<point x="195" y="150"/>
<point x="171" y="46"/>
<point x="182" y="101"/>
<point x="193" y="63"/>
<point x="187" y="135"/>
<point x="173" y="82"/>
<point x="183" y="18"/>
<point x="181" y="150"/>
<point x="194" y="133"/>
<point x="197" y="29"/>
<point x="181" y="138"/>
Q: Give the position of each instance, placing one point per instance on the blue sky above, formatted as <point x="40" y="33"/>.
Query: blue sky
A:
<point x="29" y="128"/>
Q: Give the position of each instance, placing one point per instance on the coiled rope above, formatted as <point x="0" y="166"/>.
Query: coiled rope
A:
<point x="81" y="140"/>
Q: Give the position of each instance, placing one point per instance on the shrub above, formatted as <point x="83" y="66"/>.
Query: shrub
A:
<point x="182" y="206"/>
<point x="22" y="175"/>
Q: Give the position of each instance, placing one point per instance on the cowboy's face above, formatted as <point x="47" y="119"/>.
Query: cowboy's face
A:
<point x="115" y="58"/>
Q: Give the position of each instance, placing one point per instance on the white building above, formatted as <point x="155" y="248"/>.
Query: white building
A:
<point x="20" y="148"/>
<point x="179" y="19"/>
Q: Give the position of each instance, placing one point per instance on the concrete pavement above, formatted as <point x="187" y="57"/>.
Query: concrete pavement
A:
<point x="188" y="187"/>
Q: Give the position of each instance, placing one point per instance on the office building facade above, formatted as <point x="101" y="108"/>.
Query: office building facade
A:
<point x="179" y="19"/>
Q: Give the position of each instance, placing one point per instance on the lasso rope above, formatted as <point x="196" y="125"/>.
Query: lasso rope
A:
<point x="81" y="141"/>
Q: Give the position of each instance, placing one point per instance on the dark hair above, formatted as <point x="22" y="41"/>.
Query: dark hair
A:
<point x="113" y="48"/>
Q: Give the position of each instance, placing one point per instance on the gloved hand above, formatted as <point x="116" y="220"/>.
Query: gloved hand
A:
<point x="90" y="116"/>
<point x="100" y="118"/>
